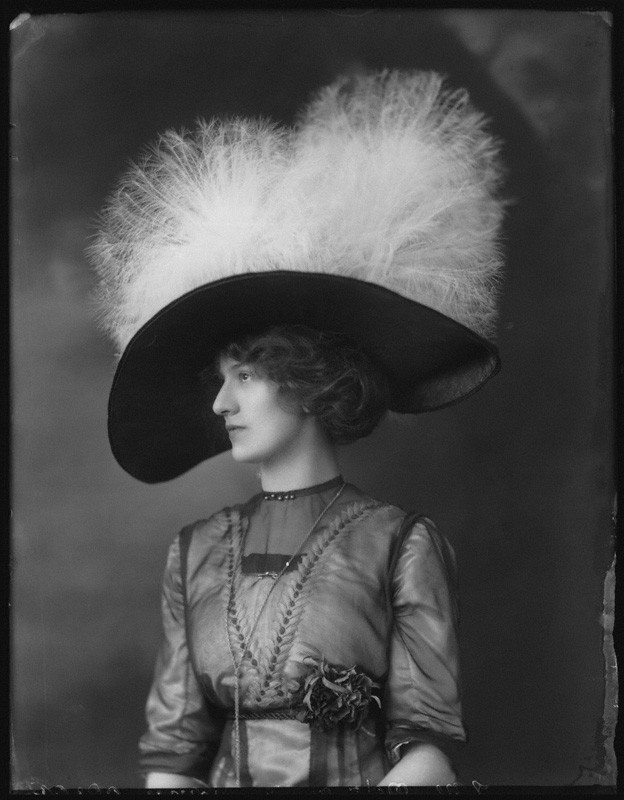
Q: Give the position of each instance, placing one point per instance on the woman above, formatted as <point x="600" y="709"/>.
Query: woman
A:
<point x="327" y="274"/>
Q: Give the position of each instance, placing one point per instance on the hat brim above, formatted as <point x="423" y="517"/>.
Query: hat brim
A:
<point x="160" y="421"/>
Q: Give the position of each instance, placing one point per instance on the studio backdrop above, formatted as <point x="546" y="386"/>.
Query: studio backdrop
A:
<point x="519" y="477"/>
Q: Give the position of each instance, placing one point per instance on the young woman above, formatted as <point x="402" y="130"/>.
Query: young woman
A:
<point x="310" y="633"/>
<point x="309" y="575"/>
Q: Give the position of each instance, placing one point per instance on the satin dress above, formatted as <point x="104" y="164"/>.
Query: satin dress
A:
<point x="364" y="590"/>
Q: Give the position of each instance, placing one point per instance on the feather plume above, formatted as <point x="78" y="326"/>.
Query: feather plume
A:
<point x="390" y="178"/>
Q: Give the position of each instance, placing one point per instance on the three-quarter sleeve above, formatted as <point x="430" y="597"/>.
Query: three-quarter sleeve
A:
<point x="183" y="733"/>
<point x="422" y="697"/>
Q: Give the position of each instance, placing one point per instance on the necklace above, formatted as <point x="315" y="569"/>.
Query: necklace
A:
<point x="246" y="643"/>
<point x="294" y="493"/>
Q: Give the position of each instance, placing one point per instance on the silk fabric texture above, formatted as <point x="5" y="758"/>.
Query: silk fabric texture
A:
<point x="363" y="591"/>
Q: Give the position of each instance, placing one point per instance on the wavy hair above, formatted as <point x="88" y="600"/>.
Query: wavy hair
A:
<point x="322" y="373"/>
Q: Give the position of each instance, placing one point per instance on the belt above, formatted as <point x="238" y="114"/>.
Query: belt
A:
<point x="269" y="713"/>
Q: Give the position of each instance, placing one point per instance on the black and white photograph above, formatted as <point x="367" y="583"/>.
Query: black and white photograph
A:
<point x="312" y="400"/>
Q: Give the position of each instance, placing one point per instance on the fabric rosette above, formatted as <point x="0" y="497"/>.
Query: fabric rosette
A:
<point x="331" y="694"/>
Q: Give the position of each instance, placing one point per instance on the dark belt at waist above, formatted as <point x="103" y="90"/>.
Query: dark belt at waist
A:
<point x="269" y="713"/>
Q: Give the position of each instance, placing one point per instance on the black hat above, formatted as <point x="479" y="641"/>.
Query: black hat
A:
<point x="375" y="217"/>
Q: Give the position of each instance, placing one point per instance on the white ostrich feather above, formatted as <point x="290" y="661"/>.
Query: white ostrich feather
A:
<point x="389" y="178"/>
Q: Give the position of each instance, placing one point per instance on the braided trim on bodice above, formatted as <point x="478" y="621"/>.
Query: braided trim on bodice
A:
<point x="262" y="677"/>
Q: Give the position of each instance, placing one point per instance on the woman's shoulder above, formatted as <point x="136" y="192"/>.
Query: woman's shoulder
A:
<point x="213" y="527"/>
<point x="401" y="525"/>
<point x="379" y="512"/>
<point x="217" y="525"/>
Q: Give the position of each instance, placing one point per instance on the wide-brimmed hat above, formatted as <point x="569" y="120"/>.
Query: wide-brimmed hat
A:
<point x="375" y="216"/>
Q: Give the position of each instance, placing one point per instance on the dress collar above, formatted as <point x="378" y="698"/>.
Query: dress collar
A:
<point x="294" y="493"/>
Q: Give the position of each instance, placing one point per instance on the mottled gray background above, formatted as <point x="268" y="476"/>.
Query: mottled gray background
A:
<point x="520" y="477"/>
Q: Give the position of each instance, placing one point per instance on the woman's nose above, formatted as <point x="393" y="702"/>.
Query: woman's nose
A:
<point x="223" y="402"/>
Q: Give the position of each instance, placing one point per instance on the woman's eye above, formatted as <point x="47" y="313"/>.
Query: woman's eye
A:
<point x="244" y="376"/>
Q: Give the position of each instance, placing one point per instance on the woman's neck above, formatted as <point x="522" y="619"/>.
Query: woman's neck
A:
<point x="308" y="468"/>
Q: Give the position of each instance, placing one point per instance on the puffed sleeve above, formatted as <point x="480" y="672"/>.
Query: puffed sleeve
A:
<point x="183" y="732"/>
<point x="422" y="699"/>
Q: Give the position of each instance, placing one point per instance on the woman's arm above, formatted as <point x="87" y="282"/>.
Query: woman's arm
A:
<point x="423" y="764"/>
<point x="168" y="780"/>
<point x="183" y="730"/>
<point x="421" y="697"/>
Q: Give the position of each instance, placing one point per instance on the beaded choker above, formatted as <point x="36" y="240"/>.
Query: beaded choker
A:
<point x="294" y="493"/>
<point x="279" y="496"/>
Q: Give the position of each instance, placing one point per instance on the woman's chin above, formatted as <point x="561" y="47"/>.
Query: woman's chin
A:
<point x="245" y="456"/>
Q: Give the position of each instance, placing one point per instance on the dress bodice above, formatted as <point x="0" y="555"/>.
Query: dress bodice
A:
<point x="363" y="591"/>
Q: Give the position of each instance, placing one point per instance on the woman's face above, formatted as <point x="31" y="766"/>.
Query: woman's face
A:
<point x="260" y="429"/>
